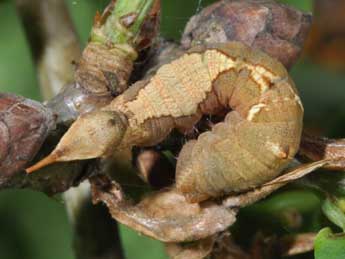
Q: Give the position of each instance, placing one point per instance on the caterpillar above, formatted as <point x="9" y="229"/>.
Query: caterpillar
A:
<point x="259" y="136"/>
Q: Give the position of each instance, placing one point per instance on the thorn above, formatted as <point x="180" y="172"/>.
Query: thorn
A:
<point x="52" y="158"/>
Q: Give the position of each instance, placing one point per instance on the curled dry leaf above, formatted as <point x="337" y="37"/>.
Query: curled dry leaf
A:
<point x="277" y="29"/>
<point x="297" y="244"/>
<point x="167" y="216"/>
<point x="164" y="215"/>
<point x="317" y="148"/>
<point x="247" y="198"/>
<point x="24" y="125"/>
<point x="271" y="246"/>
<point x="196" y="250"/>
<point x="219" y="246"/>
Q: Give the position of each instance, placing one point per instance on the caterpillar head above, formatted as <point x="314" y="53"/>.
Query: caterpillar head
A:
<point x="92" y="135"/>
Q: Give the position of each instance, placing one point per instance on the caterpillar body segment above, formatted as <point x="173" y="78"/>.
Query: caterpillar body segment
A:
<point x="259" y="136"/>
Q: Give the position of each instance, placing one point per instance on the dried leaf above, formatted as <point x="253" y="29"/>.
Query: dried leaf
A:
<point x="271" y="246"/>
<point x="297" y="244"/>
<point x="24" y="125"/>
<point x="167" y="216"/>
<point x="164" y="215"/>
<point x="196" y="250"/>
<point x="225" y="248"/>
<point x="250" y="197"/>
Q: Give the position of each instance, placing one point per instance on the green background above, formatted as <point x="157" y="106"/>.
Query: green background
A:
<point x="33" y="226"/>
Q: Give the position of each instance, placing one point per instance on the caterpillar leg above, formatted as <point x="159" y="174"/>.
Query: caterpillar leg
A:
<point x="185" y="174"/>
<point x="236" y="155"/>
<point x="200" y="169"/>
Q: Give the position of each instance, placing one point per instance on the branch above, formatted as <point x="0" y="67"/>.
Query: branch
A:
<point x="53" y="41"/>
<point x="96" y="234"/>
<point x="102" y="240"/>
<point x="122" y="33"/>
<point x="316" y="148"/>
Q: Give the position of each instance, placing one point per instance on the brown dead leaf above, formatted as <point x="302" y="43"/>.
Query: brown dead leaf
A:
<point x="250" y="197"/>
<point x="297" y="244"/>
<point x="168" y="217"/>
<point x="225" y="248"/>
<point x="164" y="215"/>
<point x="196" y="250"/>
<point x="271" y="246"/>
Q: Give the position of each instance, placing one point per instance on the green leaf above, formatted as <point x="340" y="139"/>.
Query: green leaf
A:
<point x="329" y="245"/>
<point x="334" y="213"/>
<point x="305" y="5"/>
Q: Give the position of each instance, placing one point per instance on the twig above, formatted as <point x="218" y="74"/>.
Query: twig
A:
<point x="316" y="148"/>
<point x="52" y="48"/>
<point x="96" y="234"/>
<point x="53" y="41"/>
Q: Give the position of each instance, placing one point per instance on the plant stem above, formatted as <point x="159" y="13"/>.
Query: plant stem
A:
<point x="53" y="41"/>
<point x="122" y="22"/>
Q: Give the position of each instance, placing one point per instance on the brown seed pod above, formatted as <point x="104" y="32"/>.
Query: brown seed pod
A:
<point x="277" y="29"/>
<point x="257" y="139"/>
<point x="24" y="125"/>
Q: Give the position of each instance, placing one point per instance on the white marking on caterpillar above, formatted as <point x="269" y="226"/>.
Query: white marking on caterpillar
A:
<point x="255" y="110"/>
<point x="277" y="150"/>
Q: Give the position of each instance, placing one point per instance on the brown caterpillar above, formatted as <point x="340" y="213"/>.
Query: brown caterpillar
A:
<point x="258" y="138"/>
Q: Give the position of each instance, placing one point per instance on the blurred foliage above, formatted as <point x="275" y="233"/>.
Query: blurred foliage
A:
<point x="329" y="245"/>
<point x="35" y="227"/>
<point x="334" y="213"/>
